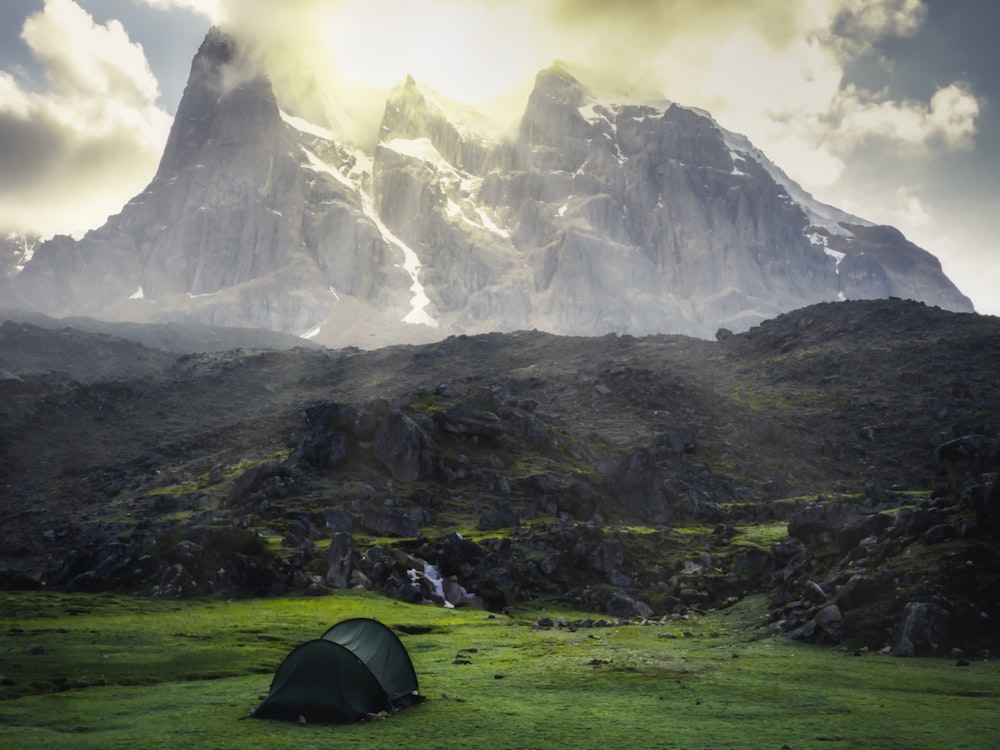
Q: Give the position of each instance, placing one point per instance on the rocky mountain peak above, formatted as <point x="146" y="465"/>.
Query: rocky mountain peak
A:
<point x="415" y="111"/>
<point x="225" y="103"/>
<point x="557" y="82"/>
<point x="218" y="46"/>
<point x="601" y="212"/>
<point x="552" y="114"/>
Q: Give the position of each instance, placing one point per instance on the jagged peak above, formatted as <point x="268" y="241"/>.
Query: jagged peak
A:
<point x="598" y="85"/>
<point x="220" y="75"/>
<point x="219" y="46"/>
<point x="558" y="68"/>
<point x="410" y="92"/>
<point x="558" y="76"/>
<point x="477" y="122"/>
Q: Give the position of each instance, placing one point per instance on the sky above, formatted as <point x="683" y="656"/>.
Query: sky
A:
<point x="888" y="109"/>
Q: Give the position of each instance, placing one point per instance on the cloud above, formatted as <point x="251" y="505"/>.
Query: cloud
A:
<point x="77" y="151"/>
<point x="865" y="21"/>
<point x="210" y="9"/>
<point x="771" y="69"/>
<point x="949" y="118"/>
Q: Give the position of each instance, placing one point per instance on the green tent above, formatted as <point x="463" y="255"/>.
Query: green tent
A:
<point x="381" y="651"/>
<point x="326" y="680"/>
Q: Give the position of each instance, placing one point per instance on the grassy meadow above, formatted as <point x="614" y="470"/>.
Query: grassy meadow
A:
<point x="104" y="672"/>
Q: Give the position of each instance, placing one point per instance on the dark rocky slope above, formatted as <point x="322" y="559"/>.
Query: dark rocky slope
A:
<point x="842" y="458"/>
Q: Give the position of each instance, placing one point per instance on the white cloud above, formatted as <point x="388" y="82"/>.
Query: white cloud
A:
<point x="76" y="152"/>
<point x="950" y="116"/>
<point x="953" y="114"/>
<point x="210" y="9"/>
<point x="82" y="57"/>
<point x="870" y="19"/>
<point x="768" y="68"/>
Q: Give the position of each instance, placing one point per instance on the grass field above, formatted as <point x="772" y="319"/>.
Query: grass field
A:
<point x="107" y="672"/>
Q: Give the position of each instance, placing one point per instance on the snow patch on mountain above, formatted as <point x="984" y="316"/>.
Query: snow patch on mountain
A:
<point x="596" y="110"/>
<point x="836" y="255"/>
<point x="25" y="250"/>
<point x="459" y="186"/>
<point x="489" y="224"/>
<point x="819" y="214"/>
<point x="309" y="128"/>
<point x="418" y="148"/>
<point x="411" y="262"/>
<point x="318" y="165"/>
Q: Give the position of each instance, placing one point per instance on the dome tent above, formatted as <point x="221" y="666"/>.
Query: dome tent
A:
<point x="359" y="667"/>
<point x="381" y="651"/>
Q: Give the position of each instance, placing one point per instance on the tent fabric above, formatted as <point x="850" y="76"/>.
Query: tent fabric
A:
<point x="381" y="650"/>
<point x="323" y="681"/>
<point x="359" y="667"/>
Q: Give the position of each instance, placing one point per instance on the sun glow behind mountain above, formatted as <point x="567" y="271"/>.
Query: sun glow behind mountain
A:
<point x="471" y="53"/>
<point x="785" y="74"/>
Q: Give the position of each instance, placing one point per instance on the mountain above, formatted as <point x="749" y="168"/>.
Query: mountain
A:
<point x="597" y="213"/>
<point x="15" y="251"/>
<point x="842" y="459"/>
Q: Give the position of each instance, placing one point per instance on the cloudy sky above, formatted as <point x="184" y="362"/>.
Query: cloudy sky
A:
<point x="889" y="109"/>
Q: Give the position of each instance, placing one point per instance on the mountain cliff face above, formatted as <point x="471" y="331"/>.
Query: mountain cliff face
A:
<point x="595" y="215"/>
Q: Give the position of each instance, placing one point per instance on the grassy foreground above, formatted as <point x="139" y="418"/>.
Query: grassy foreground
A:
<point x="103" y="671"/>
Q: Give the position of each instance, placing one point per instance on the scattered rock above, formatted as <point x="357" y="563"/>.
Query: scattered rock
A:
<point x="620" y="604"/>
<point x="922" y="631"/>
<point x="403" y="447"/>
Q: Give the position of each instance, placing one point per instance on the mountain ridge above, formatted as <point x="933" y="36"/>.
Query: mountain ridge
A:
<point x="591" y="217"/>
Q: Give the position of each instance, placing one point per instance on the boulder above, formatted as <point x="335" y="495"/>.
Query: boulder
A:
<point x="819" y="525"/>
<point x="456" y="553"/>
<point x="870" y="525"/>
<point x="253" y="479"/>
<point x="340" y="560"/>
<point x="814" y="593"/>
<point x="391" y="523"/>
<point x="460" y="420"/>
<point x="754" y="564"/>
<point x="606" y="557"/>
<point x="636" y="482"/>
<point x="859" y="591"/>
<point x="922" y="631"/>
<point x="579" y="500"/>
<point x="620" y="604"/>
<point x="403" y="447"/>
<point x="326" y="450"/>
<point x="831" y="624"/>
<point x="338" y="519"/>
<point x="499" y="517"/>
<point x="327" y="416"/>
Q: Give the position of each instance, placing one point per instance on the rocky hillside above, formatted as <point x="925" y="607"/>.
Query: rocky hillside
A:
<point x="598" y="213"/>
<point x="842" y="458"/>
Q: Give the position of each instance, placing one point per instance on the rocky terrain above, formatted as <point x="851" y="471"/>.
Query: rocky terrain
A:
<point x="841" y="458"/>
<point x="597" y="213"/>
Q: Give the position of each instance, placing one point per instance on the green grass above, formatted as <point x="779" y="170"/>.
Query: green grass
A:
<point x="121" y="672"/>
<point x="760" y="535"/>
